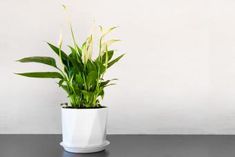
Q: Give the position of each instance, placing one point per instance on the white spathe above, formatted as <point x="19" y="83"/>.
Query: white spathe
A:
<point x="84" y="128"/>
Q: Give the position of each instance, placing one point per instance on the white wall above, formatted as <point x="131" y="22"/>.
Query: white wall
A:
<point x="178" y="75"/>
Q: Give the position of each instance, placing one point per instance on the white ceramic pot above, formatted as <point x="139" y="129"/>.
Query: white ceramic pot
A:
<point x="84" y="130"/>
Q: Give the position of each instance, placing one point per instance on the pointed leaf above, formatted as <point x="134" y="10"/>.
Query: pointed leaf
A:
<point x="109" y="54"/>
<point x="42" y="74"/>
<point x="104" y="83"/>
<point x="39" y="59"/>
<point x="115" y="60"/>
<point x="57" y="51"/>
<point x="64" y="57"/>
<point x="73" y="50"/>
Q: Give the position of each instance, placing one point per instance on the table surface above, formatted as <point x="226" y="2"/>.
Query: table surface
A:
<point x="123" y="146"/>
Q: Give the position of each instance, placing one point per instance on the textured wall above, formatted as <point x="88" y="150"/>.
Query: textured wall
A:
<point x="178" y="75"/>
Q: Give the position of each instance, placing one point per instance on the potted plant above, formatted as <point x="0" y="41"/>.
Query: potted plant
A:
<point x="82" y="77"/>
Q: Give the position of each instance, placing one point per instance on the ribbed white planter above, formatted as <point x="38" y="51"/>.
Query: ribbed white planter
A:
<point x="84" y="130"/>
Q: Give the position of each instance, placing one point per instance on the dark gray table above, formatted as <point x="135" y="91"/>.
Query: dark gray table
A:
<point x="123" y="146"/>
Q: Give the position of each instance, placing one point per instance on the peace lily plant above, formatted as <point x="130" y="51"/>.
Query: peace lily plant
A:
<point x="81" y="75"/>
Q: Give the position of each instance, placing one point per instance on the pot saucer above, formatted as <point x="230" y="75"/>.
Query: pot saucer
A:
<point x="85" y="149"/>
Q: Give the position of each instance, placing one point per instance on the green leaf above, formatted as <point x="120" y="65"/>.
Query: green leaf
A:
<point x="64" y="57"/>
<point x="79" y="79"/>
<point x="101" y="94"/>
<point x="65" y="87"/>
<point x="72" y="49"/>
<point x="104" y="83"/>
<point x="60" y="83"/>
<point x="115" y="60"/>
<point x="111" y="84"/>
<point x="87" y="95"/>
<point x="75" y="64"/>
<point x="57" y="51"/>
<point x="39" y="59"/>
<point x="42" y="74"/>
<point x="91" y="66"/>
<point x="91" y="77"/>
<point x="100" y="66"/>
<point x="109" y="54"/>
<point x="76" y="50"/>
